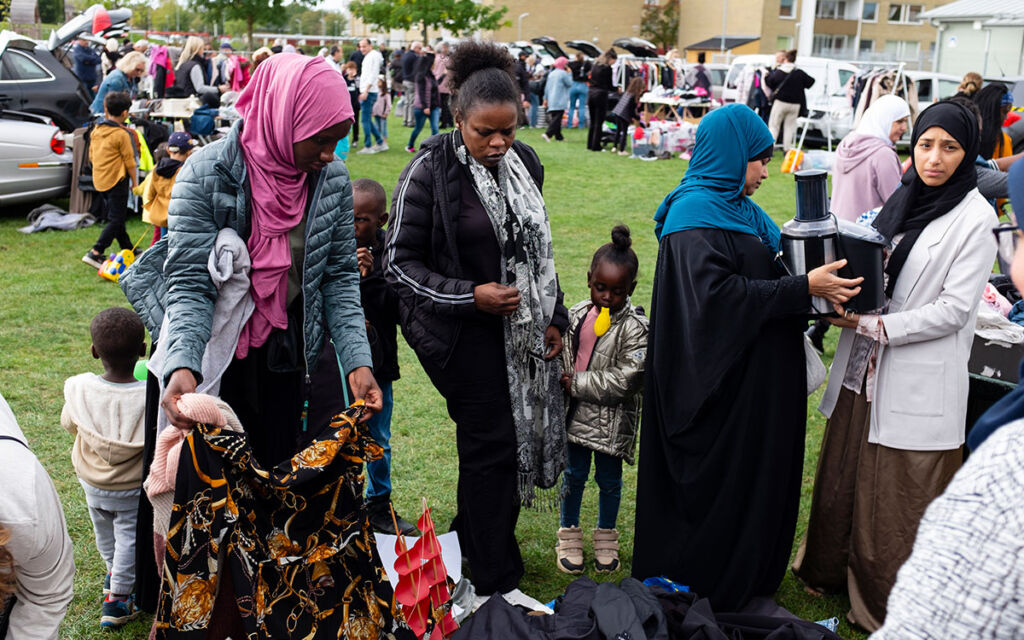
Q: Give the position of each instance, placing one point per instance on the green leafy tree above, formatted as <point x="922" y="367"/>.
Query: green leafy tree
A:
<point x="51" y="11"/>
<point x="660" y="24"/>
<point x="252" y="12"/>
<point x="5" y="10"/>
<point x="458" y="16"/>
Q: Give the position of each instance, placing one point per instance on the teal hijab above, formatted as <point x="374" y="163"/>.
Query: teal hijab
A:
<point x="710" y="195"/>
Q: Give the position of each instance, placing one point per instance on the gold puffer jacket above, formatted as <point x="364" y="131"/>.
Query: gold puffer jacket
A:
<point x="604" y="405"/>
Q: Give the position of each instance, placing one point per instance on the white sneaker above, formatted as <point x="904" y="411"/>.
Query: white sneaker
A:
<point x="382" y="147"/>
<point x="367" y="150"/>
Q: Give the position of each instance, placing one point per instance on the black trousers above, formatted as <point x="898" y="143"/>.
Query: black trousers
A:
<point x="597" y="105"/>
<point x="475" y="386"/>
<point x="355" y="115"/>
<point x="621" y="132"/>
<point x="115" y="203"/>
<point x="446" y="111"/>
<point x="555" y="124"/>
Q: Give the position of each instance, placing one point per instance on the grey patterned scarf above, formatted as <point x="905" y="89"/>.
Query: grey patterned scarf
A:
<point x="516" y="209"/>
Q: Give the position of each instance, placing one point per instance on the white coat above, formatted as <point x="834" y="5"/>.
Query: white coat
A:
<point x="921" y="387"/>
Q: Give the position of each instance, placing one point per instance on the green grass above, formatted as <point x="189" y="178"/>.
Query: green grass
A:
<point x="48" y="297"/>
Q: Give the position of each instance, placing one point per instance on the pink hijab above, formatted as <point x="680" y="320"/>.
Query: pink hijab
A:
<point x="290" y="98"/>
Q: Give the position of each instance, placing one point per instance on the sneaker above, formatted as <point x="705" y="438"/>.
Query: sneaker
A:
<point x="106" y="586"/>
<point x="382" y="147"/>
<point x="367" y="150"/>
<point x="606" y="550"/>
<point x="411" y="149"/>
<point x="545" y="137"/>
<point x="379" y="517"/>
<point x="93" y="259"/>
<point x="117" y="613"/>
<point x="569" y="550"/>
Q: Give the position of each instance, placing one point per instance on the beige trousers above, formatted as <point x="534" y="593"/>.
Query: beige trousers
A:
<point x="784" y="115"/>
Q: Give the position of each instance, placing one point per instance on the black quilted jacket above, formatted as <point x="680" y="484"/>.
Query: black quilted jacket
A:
<point x="421" y="257"/>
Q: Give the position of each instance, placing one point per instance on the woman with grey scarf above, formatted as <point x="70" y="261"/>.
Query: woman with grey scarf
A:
<point x="469" y="253"/>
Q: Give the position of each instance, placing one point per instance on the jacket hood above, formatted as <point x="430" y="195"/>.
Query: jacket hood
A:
<point x="859" y="148"/>
<point x="167" y="167"/>
<point x="113" y="430"/>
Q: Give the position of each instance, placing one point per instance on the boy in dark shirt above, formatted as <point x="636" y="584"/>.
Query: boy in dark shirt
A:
<point x="380" y="306"/>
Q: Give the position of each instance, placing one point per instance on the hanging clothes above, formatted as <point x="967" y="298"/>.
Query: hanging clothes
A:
<point x="292" y="541"/>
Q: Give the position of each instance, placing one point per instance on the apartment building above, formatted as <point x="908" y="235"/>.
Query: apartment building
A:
<point x="598" y="21"/>
<point x="849" y="29"/>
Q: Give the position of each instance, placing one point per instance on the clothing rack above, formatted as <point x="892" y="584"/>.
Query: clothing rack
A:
<point x="621" y="75"/>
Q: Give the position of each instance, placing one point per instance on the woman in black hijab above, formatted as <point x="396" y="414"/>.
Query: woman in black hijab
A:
<point x="897" y="395"/>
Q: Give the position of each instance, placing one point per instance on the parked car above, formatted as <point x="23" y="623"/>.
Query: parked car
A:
<point x="35" y="161"/>
<point x="587" y="48"/>
<point x="32" y="80"/>
<point x="932" y="87"/>
<point x="550" y="46"/>
<point x="638" y="47"/>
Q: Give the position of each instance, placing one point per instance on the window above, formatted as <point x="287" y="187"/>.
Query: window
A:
<point x="905" y="13"/>
<point x="831" y="9"/>
<point x="783" y="43"/>
<point x="903" y="49"/>
<point x="867" y="45"/>
<point x="829" y="45"/>
<point x="19" y="67"/>
<point x="786" y="8"/>
<point x="870" y="12"/>
<point x="924" y="90"/>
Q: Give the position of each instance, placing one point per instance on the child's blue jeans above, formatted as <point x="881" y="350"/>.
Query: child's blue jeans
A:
<point x="378" y="472"/>
<point x="382" y="125"/>
<point x="607" y="473"/>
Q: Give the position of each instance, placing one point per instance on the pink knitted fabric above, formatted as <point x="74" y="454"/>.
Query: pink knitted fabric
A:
<point x="201" y="408"/>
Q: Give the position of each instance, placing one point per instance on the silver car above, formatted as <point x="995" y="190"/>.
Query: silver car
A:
<point x="35" y="159"/>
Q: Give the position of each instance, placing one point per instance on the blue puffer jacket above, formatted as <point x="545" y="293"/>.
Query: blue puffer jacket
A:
<point x="116" y="80"/>
<point x="210" y="193"/>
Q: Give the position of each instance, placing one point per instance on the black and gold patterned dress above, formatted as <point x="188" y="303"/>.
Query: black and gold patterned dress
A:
<point x="301" y="559"/>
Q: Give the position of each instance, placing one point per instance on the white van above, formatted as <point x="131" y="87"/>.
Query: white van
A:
<point x="826" y="100"/>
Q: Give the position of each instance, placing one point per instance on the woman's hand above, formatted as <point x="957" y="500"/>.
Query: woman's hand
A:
<point x="181" y="382"/>
<point x="824" y="283"/>
<point x="566" y="382"/>
<point x="553" y="342"/>
<point x="364" y="387"/>
<point x="847" y="318"/>
<point x="496" y="298"/>
<point x="365" y="261"/>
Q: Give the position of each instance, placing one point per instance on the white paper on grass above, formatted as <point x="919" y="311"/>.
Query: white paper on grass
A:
<point x="451" y="554"/>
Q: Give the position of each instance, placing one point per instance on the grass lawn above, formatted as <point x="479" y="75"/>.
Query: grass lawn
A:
<point x="48" y="297"/>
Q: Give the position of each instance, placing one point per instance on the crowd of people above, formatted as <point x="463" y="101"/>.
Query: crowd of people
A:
<point x="278" y="284"/>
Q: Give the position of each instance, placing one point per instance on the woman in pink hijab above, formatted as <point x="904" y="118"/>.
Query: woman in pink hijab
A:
<point x="274" y="180"/>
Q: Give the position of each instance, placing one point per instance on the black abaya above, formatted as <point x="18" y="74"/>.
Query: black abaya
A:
<point x="721" y="448"/>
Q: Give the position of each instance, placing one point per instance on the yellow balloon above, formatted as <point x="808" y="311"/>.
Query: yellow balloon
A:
<point x="603" y="322"/>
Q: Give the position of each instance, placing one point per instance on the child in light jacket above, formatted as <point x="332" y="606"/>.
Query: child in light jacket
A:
<point x="382" y="109"/>
<point x="605" y="349"/>
<point x="106" y="414"/>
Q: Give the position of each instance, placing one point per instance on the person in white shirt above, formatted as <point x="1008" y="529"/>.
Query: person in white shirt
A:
<point x="38" y="543"/>
<point x="373" y="62"/>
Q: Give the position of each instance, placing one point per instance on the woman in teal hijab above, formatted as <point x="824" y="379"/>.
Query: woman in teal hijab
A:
<point x="725" y="402"/>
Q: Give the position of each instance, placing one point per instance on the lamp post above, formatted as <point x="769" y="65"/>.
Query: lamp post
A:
<point x="521" y="16"/>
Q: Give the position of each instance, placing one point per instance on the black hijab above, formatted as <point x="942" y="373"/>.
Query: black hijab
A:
<point x="914" y="204"/>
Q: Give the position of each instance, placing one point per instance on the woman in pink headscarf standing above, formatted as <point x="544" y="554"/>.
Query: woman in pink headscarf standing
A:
<point x="275" y="182"/>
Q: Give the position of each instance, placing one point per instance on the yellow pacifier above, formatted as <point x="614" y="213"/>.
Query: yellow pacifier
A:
<point x="603" y="322"/>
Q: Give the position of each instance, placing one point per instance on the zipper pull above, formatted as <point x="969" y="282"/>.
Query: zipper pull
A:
<point x="305" y="405"/>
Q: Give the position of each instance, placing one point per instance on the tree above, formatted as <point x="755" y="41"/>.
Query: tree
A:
<point x="251" y="11"/>
<point x="458" y="16"/>
<point x="660" y="24"/>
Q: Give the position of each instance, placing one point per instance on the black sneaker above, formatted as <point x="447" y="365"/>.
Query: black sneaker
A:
<point x="379" y="516"/>
<point x="93" y="259"/>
